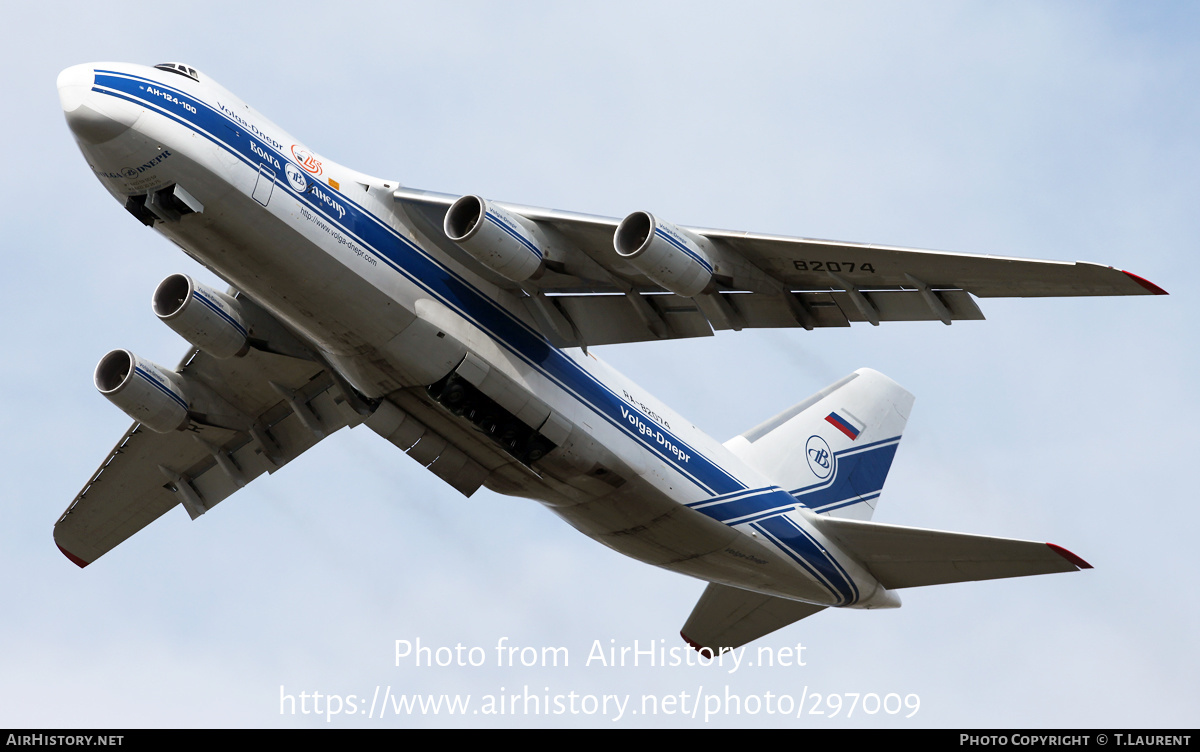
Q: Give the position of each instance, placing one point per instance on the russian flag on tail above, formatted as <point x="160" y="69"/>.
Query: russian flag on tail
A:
<point x="846" y="423"/>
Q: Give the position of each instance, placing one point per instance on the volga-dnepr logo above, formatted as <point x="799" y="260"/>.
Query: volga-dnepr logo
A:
<point x="308" y="162"/>
<point x="820" y="459"/>
<point x="295" y="177"/>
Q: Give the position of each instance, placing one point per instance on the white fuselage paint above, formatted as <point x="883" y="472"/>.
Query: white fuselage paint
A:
<point x="326" y="250"/>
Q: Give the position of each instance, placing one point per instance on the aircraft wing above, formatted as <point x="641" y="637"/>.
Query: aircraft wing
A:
<point x="291" y="404"/>
<point x="588" y="295"/>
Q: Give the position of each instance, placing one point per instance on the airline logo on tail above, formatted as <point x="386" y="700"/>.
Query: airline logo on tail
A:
<point x="820" y="459"/>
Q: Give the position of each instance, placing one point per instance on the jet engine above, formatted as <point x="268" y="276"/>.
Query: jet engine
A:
<point x="673" y="258"/>
<point x="145" y="391"/>
<point x="210" y="320"/>
<point x="511" y="246"/>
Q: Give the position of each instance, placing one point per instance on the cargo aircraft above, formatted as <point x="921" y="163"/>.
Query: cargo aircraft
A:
<point x="460" y="329"/>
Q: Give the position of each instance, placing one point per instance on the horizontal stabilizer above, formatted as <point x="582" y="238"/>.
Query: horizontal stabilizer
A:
<point x="903" y="557"/>
<point x="728" y="617"/>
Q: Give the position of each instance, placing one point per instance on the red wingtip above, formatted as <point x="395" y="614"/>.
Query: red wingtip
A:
<point x="1146" y="283"/>
<point x="74" y="559"/>
<point x="706" y="652"/>
<point x="1070" y="556"/>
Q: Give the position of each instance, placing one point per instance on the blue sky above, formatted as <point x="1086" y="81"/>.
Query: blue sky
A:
<point x="1059" y="131"/>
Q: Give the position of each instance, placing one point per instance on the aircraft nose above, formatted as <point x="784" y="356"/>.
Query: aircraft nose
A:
<point x="90" y="119"/>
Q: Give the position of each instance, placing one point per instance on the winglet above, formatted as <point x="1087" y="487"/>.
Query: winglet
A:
<point x="1064" y="552"/>
<point x="74" y="559"/>
<point x="1153" y="288"/>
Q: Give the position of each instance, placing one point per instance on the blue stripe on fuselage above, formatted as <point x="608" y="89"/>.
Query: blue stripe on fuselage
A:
<point x="410" y="260"/>
<point x="858" y="476"/>
<point x="739" y="508"/>
<point x="807" y="552"/>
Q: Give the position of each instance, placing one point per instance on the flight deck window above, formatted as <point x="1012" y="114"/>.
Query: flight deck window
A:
<point x="181" y="69"/>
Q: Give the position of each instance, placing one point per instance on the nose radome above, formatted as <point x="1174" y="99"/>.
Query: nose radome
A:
<point x="91" y="117"/>
<point x="73" y="84"/>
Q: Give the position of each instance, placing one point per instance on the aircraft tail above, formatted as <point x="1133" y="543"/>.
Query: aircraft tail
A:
<point x="897" y="556"/>
<point x="833" y="450"/>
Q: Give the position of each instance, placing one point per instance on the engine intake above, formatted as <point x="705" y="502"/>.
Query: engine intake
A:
<point x="210" y="320"/>
<point x="668" y="255"/>
<point x="145" y="391"/>
<point x="509" y="245"/>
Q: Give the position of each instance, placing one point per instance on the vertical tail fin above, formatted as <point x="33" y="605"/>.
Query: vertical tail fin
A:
<point x="833" y="450"/>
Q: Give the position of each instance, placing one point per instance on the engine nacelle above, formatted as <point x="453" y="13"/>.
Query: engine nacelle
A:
<point x="509" y="245"/>
<point x="210" y="320"/>
<point x="145" y="391"/>
<point x="673" y="258"/>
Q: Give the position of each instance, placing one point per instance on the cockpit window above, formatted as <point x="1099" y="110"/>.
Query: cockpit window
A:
<point x="181" y="69"/>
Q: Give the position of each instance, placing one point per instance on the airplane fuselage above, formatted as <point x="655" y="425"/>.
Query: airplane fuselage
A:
<point x="327" y="251"/>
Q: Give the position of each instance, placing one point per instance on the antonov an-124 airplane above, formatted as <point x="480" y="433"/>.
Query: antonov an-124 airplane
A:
<point x="459" y="329"/>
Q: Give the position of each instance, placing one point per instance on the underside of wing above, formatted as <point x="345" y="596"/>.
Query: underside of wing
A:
<point x="293" y="404"/>
<point x="585" y="283"/>
<point x="805" y="263"/>
<point x="727" y="617"/>
<point x="903" y="557"/>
